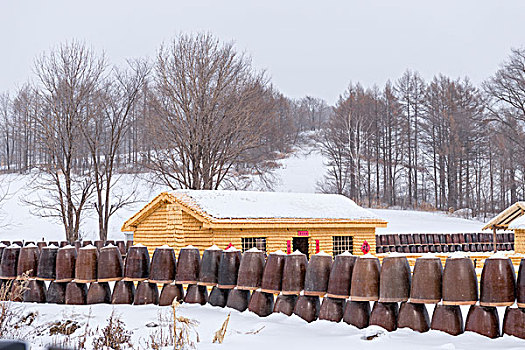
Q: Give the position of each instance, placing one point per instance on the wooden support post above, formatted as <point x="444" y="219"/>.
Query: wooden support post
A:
<point x="494" y="238"/>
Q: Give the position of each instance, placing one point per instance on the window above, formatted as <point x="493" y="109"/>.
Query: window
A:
<point x="341" y="244"/>
<point x="257" y="242"/>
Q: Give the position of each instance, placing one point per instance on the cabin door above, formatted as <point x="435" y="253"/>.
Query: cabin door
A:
<point x="301" y="244"/>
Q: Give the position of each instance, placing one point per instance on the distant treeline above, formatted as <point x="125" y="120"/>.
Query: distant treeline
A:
<point x="198" y="115"/>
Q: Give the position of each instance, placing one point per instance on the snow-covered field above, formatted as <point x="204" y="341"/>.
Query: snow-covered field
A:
<point x="247" y="330"/>
<point x="299" y="173"/>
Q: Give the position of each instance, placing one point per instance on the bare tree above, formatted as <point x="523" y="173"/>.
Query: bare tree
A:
<point x="211" y="112"/>
<point x="104" y="132"/>
<point x="68" y="83"/>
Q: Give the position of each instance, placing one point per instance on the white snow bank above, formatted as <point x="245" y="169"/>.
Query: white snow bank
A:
<point x="252" y="204"/>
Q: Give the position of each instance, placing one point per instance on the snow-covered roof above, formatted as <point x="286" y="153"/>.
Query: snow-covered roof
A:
<point x="265" y="205"/>
<point x="507" y="218"/>
<point x="519" y="223"/>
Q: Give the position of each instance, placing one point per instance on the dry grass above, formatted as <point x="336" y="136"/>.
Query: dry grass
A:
<point x="219" y="335"/>
<point x="114" y="335"/>
<point x="11" y="315"/>
<point x="183" y="329"/>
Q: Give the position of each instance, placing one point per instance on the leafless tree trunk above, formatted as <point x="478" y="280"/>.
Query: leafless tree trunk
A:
<point x="69" y="81"/>
<point x="104" y="131"/>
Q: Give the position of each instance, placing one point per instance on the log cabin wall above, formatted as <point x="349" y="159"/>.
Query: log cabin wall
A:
<point x="519" y="241"/>
<point x="167" y="221"/>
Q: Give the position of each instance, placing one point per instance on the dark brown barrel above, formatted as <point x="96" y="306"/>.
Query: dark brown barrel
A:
<point x="285" y="304"/>
<point x="209" y="270"/>
<point x="460" y="284"/>
<point x="110" y="264"/>
<point x="35" y="292"/>
<point x="483" y="320"/>
<point x="129" y="244"/>
<point x="520" y="290"/>
<point x="77" y="245"/>
<point x="394" y="279"/>
<point x="385" y="315"/>
<point x="146" y="293"/>
<point x="137" y="264"/>
<point x="307" y="307"/>
<point x="196" y="294"/>
<point x="99" y="293"/>
<point x="86" y="243"/>
<point x="41" y="244"/>
<point x="238" y="299"/>
<point x="188" y="266"/>
<point x="341" y="276"/>
<point x="514" y="322"/>
<point x="332" y="309"/>
<point x="357" y="314"/>
<point x="65" y="264"/>
<point x="294" y="272"/>
<point x="99" y="244"/>
<point x="273" y="272"/>
<point x="261" y="303"/>
<point x="9" y="265"/>
<point x="2" y="246"/>
<point x="218" y="297"/>
<point x="448" y="319"/>
<point x="47" y="263"/>
<point x="229" y="268"/>
<point x="56" y="293"/>
<point x="28" y="261"/>
<point x="86" y="265"/>
<point x="76" y="293"/>
<point x="426" y="281"/>
<point x="123" y="293"/>
<point x="498" y="282"/>
<point x="251" y="269"/>
<point x="413" y="316"/>
<point x="317" y="274"/>
<point x="170" y="292"/>
<point x="163" y="263"/>
<point x="121" y="245"/>
<point x="365" y="279"/>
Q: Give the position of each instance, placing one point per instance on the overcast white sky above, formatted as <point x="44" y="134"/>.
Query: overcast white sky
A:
<point x="307" y="47"/>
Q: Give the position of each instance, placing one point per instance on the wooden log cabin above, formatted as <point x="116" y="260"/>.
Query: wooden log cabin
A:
<point x="269" y="221"/>
<point x="512" y="218"/>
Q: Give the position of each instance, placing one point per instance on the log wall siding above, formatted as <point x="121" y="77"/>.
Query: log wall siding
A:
<point x="519" y="241"/>
<point x="153" y="230"/>
<point x="170" y="224"/>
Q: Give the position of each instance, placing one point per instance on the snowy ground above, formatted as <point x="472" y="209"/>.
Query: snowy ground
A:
<point x="247" y="330"/>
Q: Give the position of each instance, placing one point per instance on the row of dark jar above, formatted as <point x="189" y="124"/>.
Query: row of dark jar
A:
<point x="443" y="248"/>
<point x="389" y="315"/>
<point x="123" y="246"/>
<point x="441" y="238"/>
<point x="361" y="279"/>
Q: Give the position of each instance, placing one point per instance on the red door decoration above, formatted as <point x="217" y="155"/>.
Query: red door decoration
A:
<point x="316" y="246"/>
<point x="288" y="246"/>
<point x="365" y="248"/>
